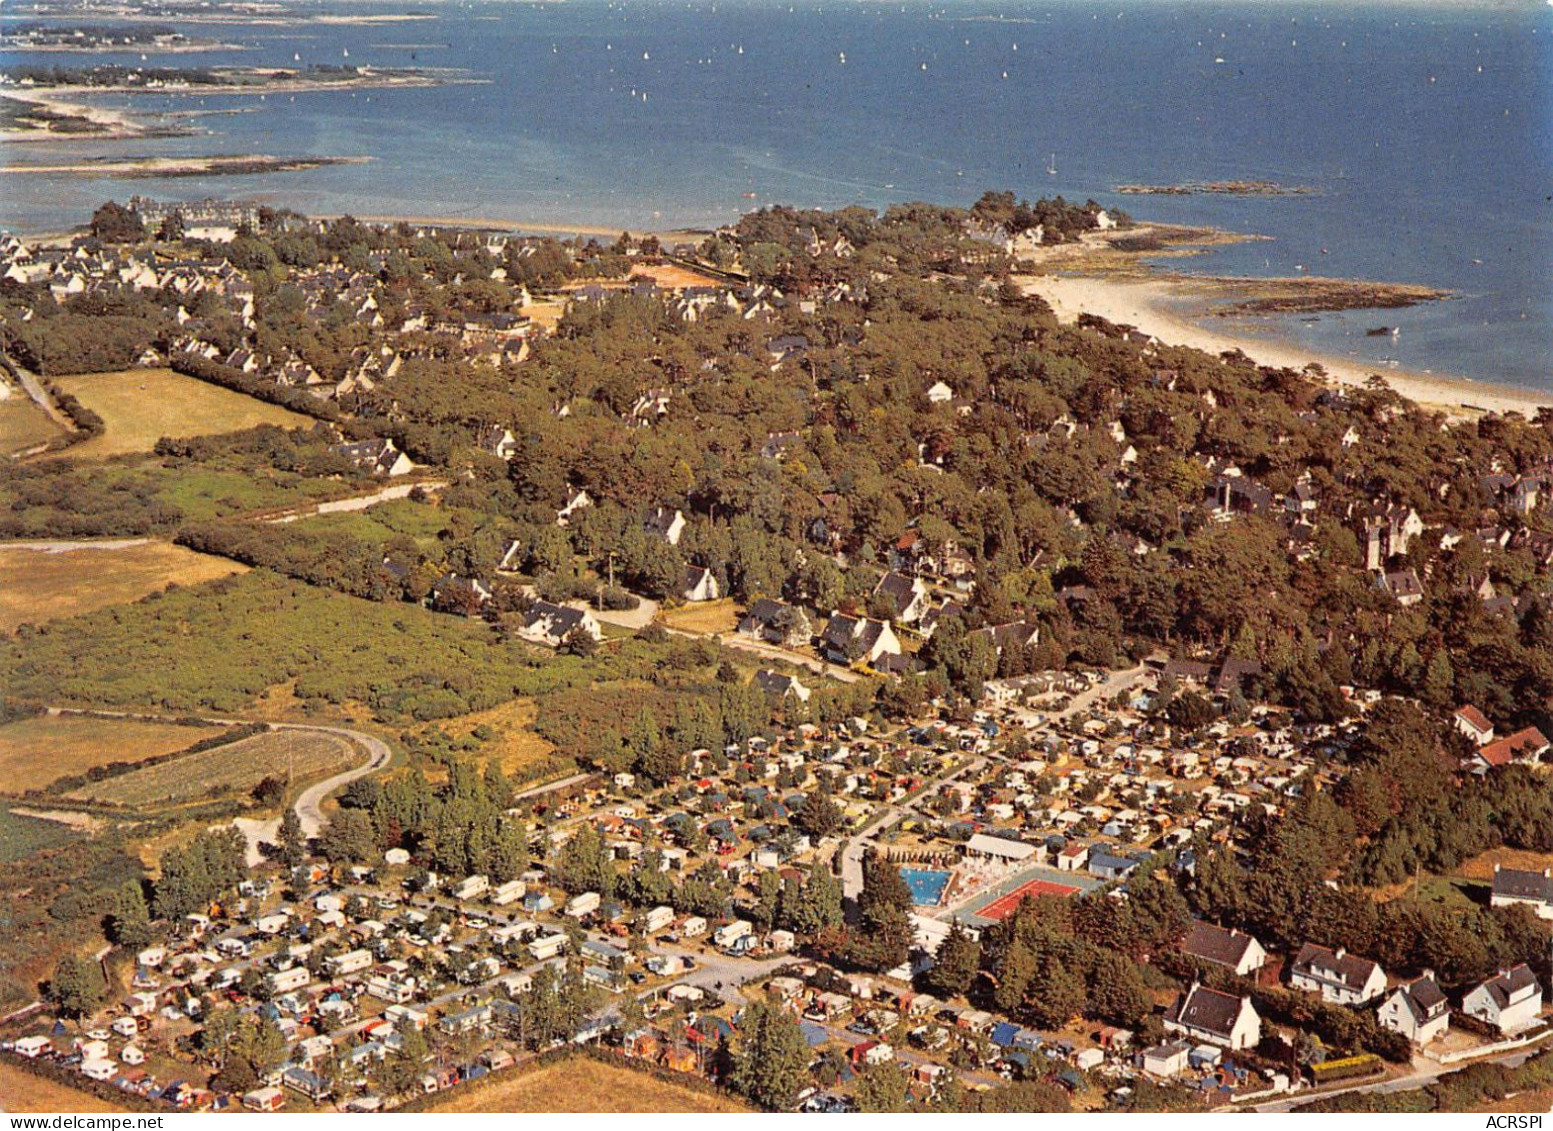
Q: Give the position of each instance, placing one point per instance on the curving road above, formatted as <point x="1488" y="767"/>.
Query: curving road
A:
<point x="309" y="803"/>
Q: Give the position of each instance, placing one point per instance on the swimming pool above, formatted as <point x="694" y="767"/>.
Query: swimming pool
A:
<point x="927" y="886"/>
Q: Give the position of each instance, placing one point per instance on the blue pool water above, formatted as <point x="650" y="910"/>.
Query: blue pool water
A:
<point x="927" y="886"/>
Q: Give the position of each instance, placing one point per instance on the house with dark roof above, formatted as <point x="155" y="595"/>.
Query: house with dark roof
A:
<point x="1232" y="949"/>
<point x="1509" y="1001"/>
<point x="781" y="686"/>
<point x="1339" y="977"/>
<point x="1515" y="885"/>
<point x="847" y="640"/>
<point x="665" y="524"/>
<point x="375" y="457"/>
<point x="545" y="623"/>
<point x="699" y="584"/>
<point x="905" y="596"/>
<point x="1403" y="585"/>
<point x="776" y="623"/>
<point x="1229" y="495"/>
<point x="1218" y="1018"/>
<point x="499" y="442"/>
<point x="1417" y="1009"/>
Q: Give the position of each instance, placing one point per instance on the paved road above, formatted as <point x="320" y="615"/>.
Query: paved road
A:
<point x="1114" y="683"/>
<point x="352" y="503"/>
<point x="645" y="613"/>
<point x="787" y="656"/>
<point x="546" y="787"/>
<point x="308" y="804"/>
<point x="34" y="389"/>
<point x="68" y="547"/>
<point x="1513" y="1059"/>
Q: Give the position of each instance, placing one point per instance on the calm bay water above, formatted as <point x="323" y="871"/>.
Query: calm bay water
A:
<point x="1426" y="128"/>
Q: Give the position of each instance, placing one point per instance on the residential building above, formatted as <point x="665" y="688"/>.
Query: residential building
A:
<point x="1510" y="1001"/>
<point x="1339" y="977"/>
<point x="1218" y="1018"/>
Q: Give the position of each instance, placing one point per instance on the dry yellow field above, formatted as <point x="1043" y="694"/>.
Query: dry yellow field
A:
<point x="233" y="768"/>
<point x="515" y="745"/>
<point x="21" y="1091"/>
<point x="24" y="425"/>
<point x="583" y="1084"/>
<point x="140" y="406"/>
<point x="704" y="616"/>
<point x="1481" y="867"/>
<point x="35" y="752"/>
<point x="44" y="585"/>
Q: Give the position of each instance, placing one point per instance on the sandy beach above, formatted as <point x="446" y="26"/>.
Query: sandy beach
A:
<point x="1148" y="305"/>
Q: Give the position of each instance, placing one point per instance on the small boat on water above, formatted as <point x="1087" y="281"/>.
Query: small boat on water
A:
<point x="1377" y="331"/>
<point x="1051" y="166"/>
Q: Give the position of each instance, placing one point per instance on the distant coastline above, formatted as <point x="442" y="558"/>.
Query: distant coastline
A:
<point x="1098" y="280"/>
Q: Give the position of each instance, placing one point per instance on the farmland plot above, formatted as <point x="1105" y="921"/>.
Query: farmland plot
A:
<point x="226" y="770"/>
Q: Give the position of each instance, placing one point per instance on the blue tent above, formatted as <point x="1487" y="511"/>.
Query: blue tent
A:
<point x="1003" y="1034"/>
<point x="814" y="1035"/>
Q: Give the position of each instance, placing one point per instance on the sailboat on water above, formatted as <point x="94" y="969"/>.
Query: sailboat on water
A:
<point x="1051" y="166"/>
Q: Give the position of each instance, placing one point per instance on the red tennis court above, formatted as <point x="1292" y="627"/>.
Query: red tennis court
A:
<point x="1003" y="906"/>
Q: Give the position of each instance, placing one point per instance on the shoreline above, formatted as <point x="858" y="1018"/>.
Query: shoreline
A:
<point x="1150" y="305"/>
<point x="522" y="227"/>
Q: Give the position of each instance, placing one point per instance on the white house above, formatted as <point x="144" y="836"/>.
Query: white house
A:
<point x="1233" y="949"/>
<point x="1339" y="977"/>
<point x="1535" y="889"/>
<point x="1219" y="1019"/>
<point x="699" y="584"/>
<point x="1509" y="1001"/>
<point x="1417" y="1009"/>
<point x="551" y="624"/>
<point x="666" y="524"/>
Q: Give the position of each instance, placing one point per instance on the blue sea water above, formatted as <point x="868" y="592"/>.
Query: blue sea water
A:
<point x="1427" y="129"/>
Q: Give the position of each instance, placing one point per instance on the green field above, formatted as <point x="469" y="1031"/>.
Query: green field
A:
<point x="225" y="770"/>
<point x="216" y="647"/>
<point x="24" y="425"/>
<point x="55" y="498"/>
<point x="140" y="406"/>
<point x="22" y="836"/>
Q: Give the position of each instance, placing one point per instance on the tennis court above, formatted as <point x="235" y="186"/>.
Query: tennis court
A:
<point x="1004" y="905"/>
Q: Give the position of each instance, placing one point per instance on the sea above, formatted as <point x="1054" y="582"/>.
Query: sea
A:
<point x="1423" y="130"/>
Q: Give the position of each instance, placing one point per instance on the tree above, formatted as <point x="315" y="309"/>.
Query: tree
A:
<point x="882" y="1088"/>
<point x="772" y="1061"/>
<point x="884" y="938"/>
<point x="769" y="896"/>
<point x="75" y="989"/>
<point x="129" y="923"/>
<point x="509" y="856"/>
<point x="348" y="838"/>
<point x="113" y="223"/>
<point x="955" y="964"/>
<point x="292" y="843"/>
<point x="819" y="815"/>
<point x="584" y="865"/>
